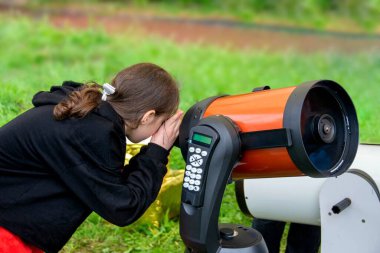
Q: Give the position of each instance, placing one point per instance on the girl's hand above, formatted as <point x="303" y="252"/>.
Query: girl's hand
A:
<point x="168" y="132"/>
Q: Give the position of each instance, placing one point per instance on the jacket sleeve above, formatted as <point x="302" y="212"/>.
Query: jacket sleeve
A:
<point x="144" y="174"/>
<point x="120" y="195"/>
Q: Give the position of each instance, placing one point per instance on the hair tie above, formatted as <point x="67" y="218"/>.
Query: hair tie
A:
<point x="108" y="89"/>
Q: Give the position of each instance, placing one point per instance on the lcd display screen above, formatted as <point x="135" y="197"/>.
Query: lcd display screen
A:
<point x="202" y="138"/>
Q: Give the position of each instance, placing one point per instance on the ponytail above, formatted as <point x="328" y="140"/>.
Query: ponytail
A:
<point x="79" y="103"/>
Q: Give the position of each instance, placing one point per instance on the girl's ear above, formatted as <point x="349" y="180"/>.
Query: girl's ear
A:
<point x="148" y="117"/>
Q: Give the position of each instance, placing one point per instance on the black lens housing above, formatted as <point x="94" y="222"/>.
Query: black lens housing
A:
<point x="324" y="128"/>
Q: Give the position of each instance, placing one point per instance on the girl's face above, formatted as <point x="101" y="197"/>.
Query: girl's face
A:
<point x="147" y="127"/>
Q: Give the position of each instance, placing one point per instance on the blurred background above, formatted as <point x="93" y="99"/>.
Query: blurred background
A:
<point x="210" y="46"/>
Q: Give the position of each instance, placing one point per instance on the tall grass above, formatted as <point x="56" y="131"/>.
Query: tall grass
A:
<point x="35" y="56"/>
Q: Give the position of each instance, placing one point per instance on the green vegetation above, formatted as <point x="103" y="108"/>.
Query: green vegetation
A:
<point x="35" y="56"/>
<point x="361" y="15"/>
<point x="316" y="13"/>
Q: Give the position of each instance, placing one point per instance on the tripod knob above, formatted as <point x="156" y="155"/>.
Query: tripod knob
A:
<point x="227" y="233"/>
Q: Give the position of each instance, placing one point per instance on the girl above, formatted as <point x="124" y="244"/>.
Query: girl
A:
<point x="64" y="158"/>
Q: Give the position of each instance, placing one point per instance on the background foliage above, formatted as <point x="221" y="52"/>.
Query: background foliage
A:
<point x="316" y="13"/>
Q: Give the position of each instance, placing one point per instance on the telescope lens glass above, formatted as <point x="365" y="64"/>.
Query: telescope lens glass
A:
<point x="323" y="128"/>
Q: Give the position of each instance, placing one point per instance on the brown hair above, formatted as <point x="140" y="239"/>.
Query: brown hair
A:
<point x="138" y="89"/>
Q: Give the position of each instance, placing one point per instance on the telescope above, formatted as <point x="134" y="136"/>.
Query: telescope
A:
<point x="305" y="130"/>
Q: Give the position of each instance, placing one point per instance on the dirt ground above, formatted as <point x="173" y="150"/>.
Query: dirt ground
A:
<point x="209" y="31"/>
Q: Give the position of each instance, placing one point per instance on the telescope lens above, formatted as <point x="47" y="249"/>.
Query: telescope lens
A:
<point x="323" y="128"/>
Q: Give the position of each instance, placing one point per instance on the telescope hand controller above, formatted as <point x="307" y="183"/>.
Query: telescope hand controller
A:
<point x="200" y="147"/>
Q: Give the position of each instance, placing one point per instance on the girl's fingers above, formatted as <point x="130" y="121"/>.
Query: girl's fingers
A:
<point x="175" y="117"/>
<point x="169" y="130"/>
<point x="177" y="125"/>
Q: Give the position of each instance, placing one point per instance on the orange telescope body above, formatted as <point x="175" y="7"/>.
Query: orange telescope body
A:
<point x="310" y="129"/>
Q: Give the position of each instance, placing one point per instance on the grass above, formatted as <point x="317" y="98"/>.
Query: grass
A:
<point x="316" y="14"/>
<point x="348" y="15"/>
<point x="35" y="56"/>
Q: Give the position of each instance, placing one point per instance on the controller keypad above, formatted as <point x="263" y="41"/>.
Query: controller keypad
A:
<point x="194" y="170"/>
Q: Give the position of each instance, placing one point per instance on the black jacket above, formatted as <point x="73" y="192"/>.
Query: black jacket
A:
<point x="53" y="174"/>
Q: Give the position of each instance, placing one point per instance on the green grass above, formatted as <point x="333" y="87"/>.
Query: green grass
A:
<point x="35" y="56"/>
<point x="317" y="14"/>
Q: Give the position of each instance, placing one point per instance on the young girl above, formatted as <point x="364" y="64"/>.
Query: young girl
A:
<point x="64" y="158"/>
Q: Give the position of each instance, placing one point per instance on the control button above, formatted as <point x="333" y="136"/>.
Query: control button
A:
<point x="193" y="170"/>
<point x="191" y="187"/>
<point x="192" y="176"/>
<point x="196" y="188"/>
<point x="197" y="150"/>
<point x="196" y="160"/>
<point x="191" y="149"/>
<point x="199" y="171"/>
<point x="188" y="167"/>
<point x="187" y="173"/>
<point x="187" y="179"/>
<point x="191" y="181"/>
<point x="197" y="182"/>
<point x="186" y="185"/>
<point x="198" y="176"/>
<point x="204" y="153"/>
